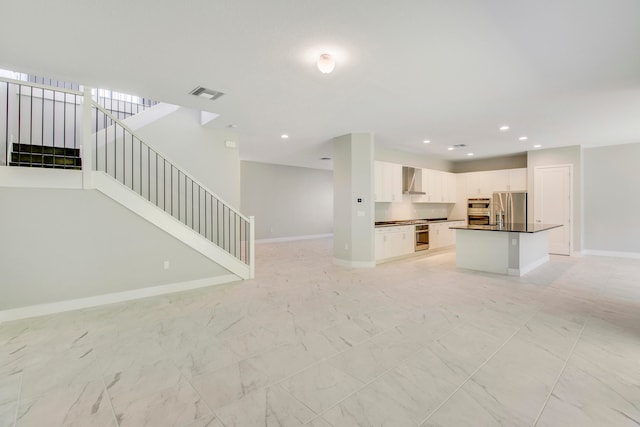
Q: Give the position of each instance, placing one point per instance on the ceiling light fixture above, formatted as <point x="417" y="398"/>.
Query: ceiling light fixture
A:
<point x="469" y="154"/>
<point x="450" y="148"/>
<point x="537" y="146"/>
<point x="203" y="92"/>
<point x="284" y="136"/>
<point x="426" y="141"/>
<point x="523" y="138"/>
<point x="504" y="128"/>
<point x="326" y="64"/>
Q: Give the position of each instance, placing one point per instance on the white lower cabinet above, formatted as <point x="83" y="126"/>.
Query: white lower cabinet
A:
<point x="437" y="235"/>
<point x="441" y="235"/>
<point x="394" y="241"/>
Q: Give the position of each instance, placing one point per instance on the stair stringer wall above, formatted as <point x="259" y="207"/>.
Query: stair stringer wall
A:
<point x="131" y="267"/>
<point x="132" y="201"/>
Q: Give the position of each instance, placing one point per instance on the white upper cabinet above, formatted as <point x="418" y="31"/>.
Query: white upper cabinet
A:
<point x="449" y="184"/>
<point x="479" y="184"/>
<point x="438" y="186"/>
<point x="388" y="182"/>
<point x="432" y="185"/>
<point x="509" y="179"/>
<point x="499" y="180"/>
<point x="518" y="179"/>
<point x="485" y="183"/>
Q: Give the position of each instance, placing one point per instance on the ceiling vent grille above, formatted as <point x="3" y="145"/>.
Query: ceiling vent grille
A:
<point x="460" y="145"/>
<point x="203" y="92"/>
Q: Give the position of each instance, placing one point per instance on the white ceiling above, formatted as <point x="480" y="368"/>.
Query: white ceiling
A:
<point x="562" y="72"/>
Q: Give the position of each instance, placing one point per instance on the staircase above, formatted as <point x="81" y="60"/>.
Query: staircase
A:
<point x="54" y="127"/>
<point x="42" y="156"/>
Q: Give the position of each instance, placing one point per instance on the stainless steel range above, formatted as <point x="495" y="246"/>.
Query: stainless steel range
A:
<point x="422" y="237"/>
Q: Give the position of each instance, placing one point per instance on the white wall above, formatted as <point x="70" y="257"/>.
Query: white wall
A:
<point x="385" y="154"/>
<point x="494" y="163"/>
<point x="200" y="150"/>
<point x="560" y="156"/>
<point x="66" y="244"/>
<point x="287" y="201"/>
<point x="611" y="202"/>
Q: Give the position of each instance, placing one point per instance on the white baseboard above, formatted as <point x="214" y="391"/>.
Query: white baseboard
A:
<point x="528" y="268"/>
<point x="614" y="254"/>
<point x="294" y="238"/>
<point x="76" y="304"/>
<point x="354" y="264"/>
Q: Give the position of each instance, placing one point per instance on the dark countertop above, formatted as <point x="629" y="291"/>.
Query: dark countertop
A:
<point x="413" y="222"/>
<point x="513" y="228"/>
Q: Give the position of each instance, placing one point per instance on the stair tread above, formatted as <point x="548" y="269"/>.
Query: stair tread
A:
<point x="45" y="165"/>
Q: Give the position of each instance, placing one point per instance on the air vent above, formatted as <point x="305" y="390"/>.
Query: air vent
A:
<point x="203" y="92"/>
<point x="459" y="145"/>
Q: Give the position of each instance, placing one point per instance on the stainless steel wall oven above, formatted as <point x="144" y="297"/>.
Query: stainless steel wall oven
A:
<point x="478" y="211"/>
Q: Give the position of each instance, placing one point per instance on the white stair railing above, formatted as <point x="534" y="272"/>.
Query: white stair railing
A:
<point x="121" y="153"/>
<point x="42" y="117"/>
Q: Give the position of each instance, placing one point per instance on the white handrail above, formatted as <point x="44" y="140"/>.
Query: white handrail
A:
<point x="161" y="154"/>
<point x="39" y="86"/>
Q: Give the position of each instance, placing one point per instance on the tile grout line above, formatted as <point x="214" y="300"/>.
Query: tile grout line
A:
<point x="104" y="384"/>
<point x="15" y="417"/>
<point x="380" y="375"/>
<point x="203" y="401"/>
<point x="477" y="369"/>
<point x="324" y="359"/>
<point x="555" y="383"/>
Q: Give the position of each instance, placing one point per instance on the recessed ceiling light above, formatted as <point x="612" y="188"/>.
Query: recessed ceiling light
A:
<point x="284" y="136"/>
<point x="504" y="128"/>
<point x="469" y="154"/>
<point x="523" y="138"/>
<point x="537" y="146"/>
<point x="426" y="141"/>
<point x="450" y="148"/>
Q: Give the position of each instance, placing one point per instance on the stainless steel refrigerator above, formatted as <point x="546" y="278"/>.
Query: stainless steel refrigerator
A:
<point x="512" y="205"/>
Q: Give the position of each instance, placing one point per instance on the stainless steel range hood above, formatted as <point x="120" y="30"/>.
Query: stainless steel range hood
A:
<point x="411" y="180"/>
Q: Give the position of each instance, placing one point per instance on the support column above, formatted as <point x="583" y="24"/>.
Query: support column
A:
<point x="353" y="205"/>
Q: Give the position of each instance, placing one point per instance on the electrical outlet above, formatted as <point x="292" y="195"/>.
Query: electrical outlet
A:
<point x="165" y="265"/>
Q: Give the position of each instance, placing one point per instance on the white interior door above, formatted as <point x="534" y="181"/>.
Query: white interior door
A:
<point x="552" y="189"/>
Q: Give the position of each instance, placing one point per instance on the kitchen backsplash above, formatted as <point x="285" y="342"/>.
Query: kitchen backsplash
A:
<point x="408" y="210"/>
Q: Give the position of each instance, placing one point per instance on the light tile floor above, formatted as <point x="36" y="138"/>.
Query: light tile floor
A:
<point x="414" y="342"/>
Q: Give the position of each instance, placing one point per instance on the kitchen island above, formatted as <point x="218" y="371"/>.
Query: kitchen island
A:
<point x="512" y="249"/>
